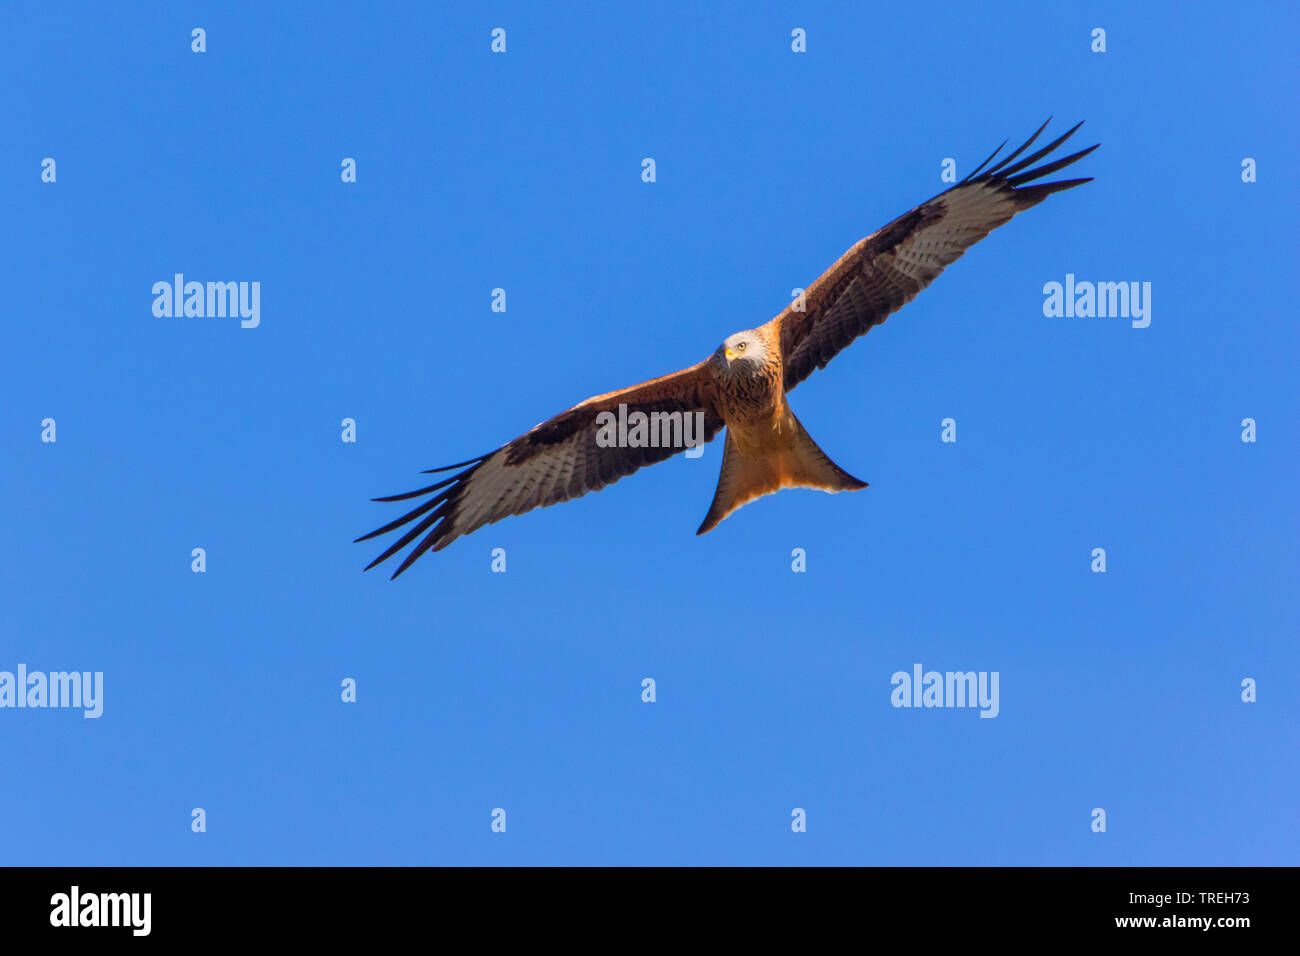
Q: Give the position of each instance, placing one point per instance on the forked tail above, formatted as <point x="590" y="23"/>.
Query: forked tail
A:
<point x="767" y="461"/>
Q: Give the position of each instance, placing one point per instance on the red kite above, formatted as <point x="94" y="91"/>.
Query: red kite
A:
<point x="741" y="386"/>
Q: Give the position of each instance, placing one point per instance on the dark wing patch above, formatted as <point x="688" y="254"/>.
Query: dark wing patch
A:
<point x="886" y="270"/>
<point x="558" y="460"/>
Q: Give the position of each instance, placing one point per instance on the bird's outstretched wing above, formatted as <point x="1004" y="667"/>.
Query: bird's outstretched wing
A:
<point x="557" y="460"/>
<point x="886" y="270"/>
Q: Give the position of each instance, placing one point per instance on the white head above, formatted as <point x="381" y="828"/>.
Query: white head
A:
<point x="742" y="354"/>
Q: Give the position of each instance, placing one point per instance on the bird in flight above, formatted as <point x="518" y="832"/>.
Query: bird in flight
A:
<point x="742" y="386"/>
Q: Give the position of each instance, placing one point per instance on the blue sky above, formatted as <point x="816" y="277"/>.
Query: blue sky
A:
<point x="522" y="690"/>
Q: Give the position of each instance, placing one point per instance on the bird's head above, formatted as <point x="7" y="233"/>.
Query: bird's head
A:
<point x="742" y="354"/>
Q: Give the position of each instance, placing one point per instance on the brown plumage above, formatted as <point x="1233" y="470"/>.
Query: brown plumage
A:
<point x="743" y="385"/>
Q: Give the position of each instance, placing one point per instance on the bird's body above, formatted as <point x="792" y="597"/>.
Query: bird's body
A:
<point x="767" y="448"/>
<point x="749" y="384"/>
<point x="743" y="386"/>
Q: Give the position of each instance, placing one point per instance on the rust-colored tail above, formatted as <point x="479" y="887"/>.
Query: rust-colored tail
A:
<point x="758" y="462"/>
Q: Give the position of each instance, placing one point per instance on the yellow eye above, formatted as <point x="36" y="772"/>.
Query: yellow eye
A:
<point x="740" y="347"/>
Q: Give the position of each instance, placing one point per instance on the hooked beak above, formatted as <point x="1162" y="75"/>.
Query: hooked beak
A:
<point x="729" y="354"/>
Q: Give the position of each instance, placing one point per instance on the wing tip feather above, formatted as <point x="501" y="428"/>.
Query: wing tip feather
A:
<point x="437" y="525"/>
